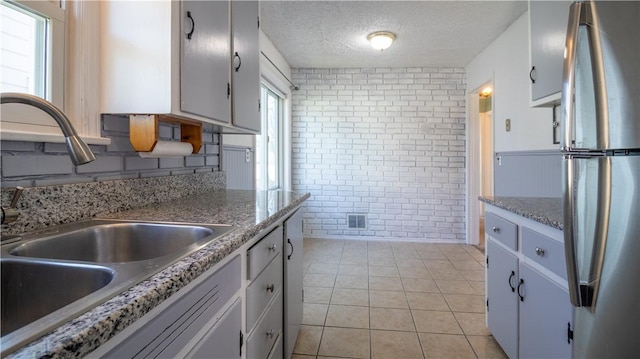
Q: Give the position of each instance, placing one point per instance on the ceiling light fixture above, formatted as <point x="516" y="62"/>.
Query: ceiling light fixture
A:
<point x="381" y="40"/>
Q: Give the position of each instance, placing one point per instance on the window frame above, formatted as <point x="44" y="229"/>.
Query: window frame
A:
<point x="265" y="90"/>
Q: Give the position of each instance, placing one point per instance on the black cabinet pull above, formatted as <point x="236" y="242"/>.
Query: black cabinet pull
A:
<point x="291" y="244"/>
<point x="239" y="61"/>
<point x="519" y="292"/>
<point x="193" y="25"/>
<point x="531" y="73"/>
<point x="513" y="274"/>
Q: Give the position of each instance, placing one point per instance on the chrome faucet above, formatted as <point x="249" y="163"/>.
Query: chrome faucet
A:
<point x="10" y="214"/>
<point x="78" y="150"/>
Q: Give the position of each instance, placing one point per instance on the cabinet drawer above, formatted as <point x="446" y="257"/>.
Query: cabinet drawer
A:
<point x="267" y="331"/>
<point x="502" y="230"/>
<point x="263" y="252"/>
<point x="263" y="289"/>
<point x="544" y="250"/>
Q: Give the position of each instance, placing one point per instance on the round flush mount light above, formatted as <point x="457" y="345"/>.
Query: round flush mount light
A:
<point x="381" y="40"/>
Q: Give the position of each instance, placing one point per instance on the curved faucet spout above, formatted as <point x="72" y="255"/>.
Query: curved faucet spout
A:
<point x="78" y="150"/>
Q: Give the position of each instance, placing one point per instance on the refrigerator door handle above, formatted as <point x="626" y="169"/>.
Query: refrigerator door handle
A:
<point x="573" y="283"/>
<point x="568" y="76"/>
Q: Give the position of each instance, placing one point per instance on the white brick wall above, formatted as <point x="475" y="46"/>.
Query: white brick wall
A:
<point x="387" y="142"/>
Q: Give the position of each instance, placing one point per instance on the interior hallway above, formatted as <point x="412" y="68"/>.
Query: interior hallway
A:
<point x="373" y="299"/>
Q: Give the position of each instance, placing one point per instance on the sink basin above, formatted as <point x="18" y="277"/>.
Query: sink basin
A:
<point x="32" y="290"/>
<point x="54" y="275"/>
<point x="115" y="242"/>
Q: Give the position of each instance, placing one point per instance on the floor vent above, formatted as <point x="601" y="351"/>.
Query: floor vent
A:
<point x="357" y="221"/>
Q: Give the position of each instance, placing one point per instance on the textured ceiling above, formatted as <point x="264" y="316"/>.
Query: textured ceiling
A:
<point x="333" y="34"/>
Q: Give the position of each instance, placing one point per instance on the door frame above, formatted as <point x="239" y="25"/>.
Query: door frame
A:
<point x="474" y="166"/>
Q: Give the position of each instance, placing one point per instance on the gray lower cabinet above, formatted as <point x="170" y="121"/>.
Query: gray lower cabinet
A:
<point x="528" y="308"/>
<point x="293" y="268"/>
<point x="173" y="330"/>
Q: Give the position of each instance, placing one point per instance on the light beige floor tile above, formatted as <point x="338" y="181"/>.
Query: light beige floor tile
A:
<point x="347" y="316"/>
<point x="352" y="281"/>
<point x="478" y="287"/>
<point x="459" y="256"/>
<point x="446" y="346"/>
<point x="319" y="280"/>
<point x="314" y="314"/>
<point x="387" y="345"/>
<point x="486" y="347"/>
<point x="466" y="303"/>
<point x="386" y="261"/>
<point x="473" y="275"/>
<point x="379" y="271"/>
<point x="414" y="272"/>
<point x="308" y="340"/>
<point x="429" y="321"/>
<point x="355" y="261"/>
<point x="385" y="283"/>
<point x="406" y="253"/>
<point x="467" y="265"/>
<point x="420" y="285"/>
<point x="325" y="259"/>
<point x="319" y="295"/>
<point x="438" y="264"/>
<point x="345" y="296"/>
<point x="427" y="301"/>
<point x="354" y="253"/>
<point x="379" y="252"/>
<point x="298" y="356"/>
<point x="388" y="299"/>
<point x="323" y="268"/>
<point x="345" y="342"/>
<point x="448" y="274"/>
<point x="431" y="254"/>
<point x="472" y="323"/>
<point x="409" y="263"/>
<point x="347" y="269"/>
<point x="454" y="286"/>
<point x="391" y="319"/>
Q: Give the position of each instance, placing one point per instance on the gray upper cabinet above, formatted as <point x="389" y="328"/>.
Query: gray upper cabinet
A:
<point x="245" y="71"/>
<point x="547" y="30"/>
<point x="204" y="67"/>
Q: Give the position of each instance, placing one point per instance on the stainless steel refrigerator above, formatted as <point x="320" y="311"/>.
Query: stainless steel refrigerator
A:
<point x="601" y="145"/>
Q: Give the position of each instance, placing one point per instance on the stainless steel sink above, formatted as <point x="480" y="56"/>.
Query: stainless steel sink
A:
<point x="31" y="289"/>
<point x="115" y="242"/>
<point x="52" y="276"/>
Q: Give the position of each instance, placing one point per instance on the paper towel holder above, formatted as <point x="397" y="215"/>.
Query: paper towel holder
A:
<point x="143" y="131"/>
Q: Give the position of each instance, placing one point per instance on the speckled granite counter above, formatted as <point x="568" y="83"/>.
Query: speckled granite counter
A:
<point x="547" y="211"/>
<point x="251" y="212"/>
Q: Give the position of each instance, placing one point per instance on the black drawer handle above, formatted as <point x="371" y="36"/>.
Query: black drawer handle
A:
<point x="271" y="288"/>
<point x="193" y="25"/>
<point x="270" y="333"/>
<point x="519" y="291"/>
<point x="540" y="251"/>
<point x="272" y="247"/>
<point x="532" y="74"/>
<point x="291" y="244"/>
<point x="513" y="274"/>
<point x="495" y="229"/>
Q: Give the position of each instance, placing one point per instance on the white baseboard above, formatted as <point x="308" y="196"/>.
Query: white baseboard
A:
<point x="383" y="239"/>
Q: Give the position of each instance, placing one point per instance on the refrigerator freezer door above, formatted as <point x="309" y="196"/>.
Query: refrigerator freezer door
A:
<point x="604" y="110"/>
<point x="608" y="327"/>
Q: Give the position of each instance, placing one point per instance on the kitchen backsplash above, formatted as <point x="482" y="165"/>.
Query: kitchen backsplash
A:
<point x="45" y="206"/>
<point x="31" y="164"/>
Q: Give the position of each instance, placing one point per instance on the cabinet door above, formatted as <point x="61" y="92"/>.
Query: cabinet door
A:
<point x="293" y="280"/>
<point x="205" y="62"/>
<point x="548" y="28"/>
<point x="545" y="313"/>
<point x="246" y="65"/>
<point x="224" y="340"/>
<point x="502" y="309"/>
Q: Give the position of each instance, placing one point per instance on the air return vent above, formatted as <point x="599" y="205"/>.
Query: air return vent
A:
<point x="357" y="221"/>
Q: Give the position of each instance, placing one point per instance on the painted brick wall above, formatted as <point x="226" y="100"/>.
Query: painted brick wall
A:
<point x="31" y="164"/>
<point x="388" y="143"/>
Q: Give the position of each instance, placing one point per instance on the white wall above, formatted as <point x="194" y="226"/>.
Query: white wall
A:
<point x="505" y="62"/>
<point x="387" y="142"/>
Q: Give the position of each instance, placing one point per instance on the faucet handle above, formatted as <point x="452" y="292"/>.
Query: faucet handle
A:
<point x="10" y="214"/>
<point x="16" y="197"/>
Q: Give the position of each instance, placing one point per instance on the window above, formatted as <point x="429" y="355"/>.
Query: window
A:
<point x="269" y="143"/>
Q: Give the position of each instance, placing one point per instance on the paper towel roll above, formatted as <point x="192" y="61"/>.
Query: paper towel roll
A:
<point x="169" y="149"/>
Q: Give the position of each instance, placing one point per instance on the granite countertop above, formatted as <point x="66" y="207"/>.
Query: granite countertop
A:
<point x="547" y="211"/>
<point x="250" y="211"/>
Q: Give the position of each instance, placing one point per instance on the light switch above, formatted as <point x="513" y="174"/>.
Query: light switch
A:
<point x="507" y="124"/>
<point x="247" y="155"/>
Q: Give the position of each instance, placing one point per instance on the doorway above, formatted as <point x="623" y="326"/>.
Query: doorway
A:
<point x="480" y="155"/>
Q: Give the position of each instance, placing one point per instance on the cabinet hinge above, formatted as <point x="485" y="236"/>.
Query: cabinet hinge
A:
<point x="228" y="90"/>
<point x="241" y="342"/>
<point x="569" y="333"/>
<point x="487" y="304"/>
<point x="258" y="22"/>
<point x="259" y="105"/>
<point x="487" y="260"/>
<point x="303" y="296"/>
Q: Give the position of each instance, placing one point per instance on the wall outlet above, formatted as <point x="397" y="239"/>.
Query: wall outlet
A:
<point x="507" y="124"/>
<point x="247" y="155"/>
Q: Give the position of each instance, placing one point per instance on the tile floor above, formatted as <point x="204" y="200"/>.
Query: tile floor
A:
<point x="396" y="300"/>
